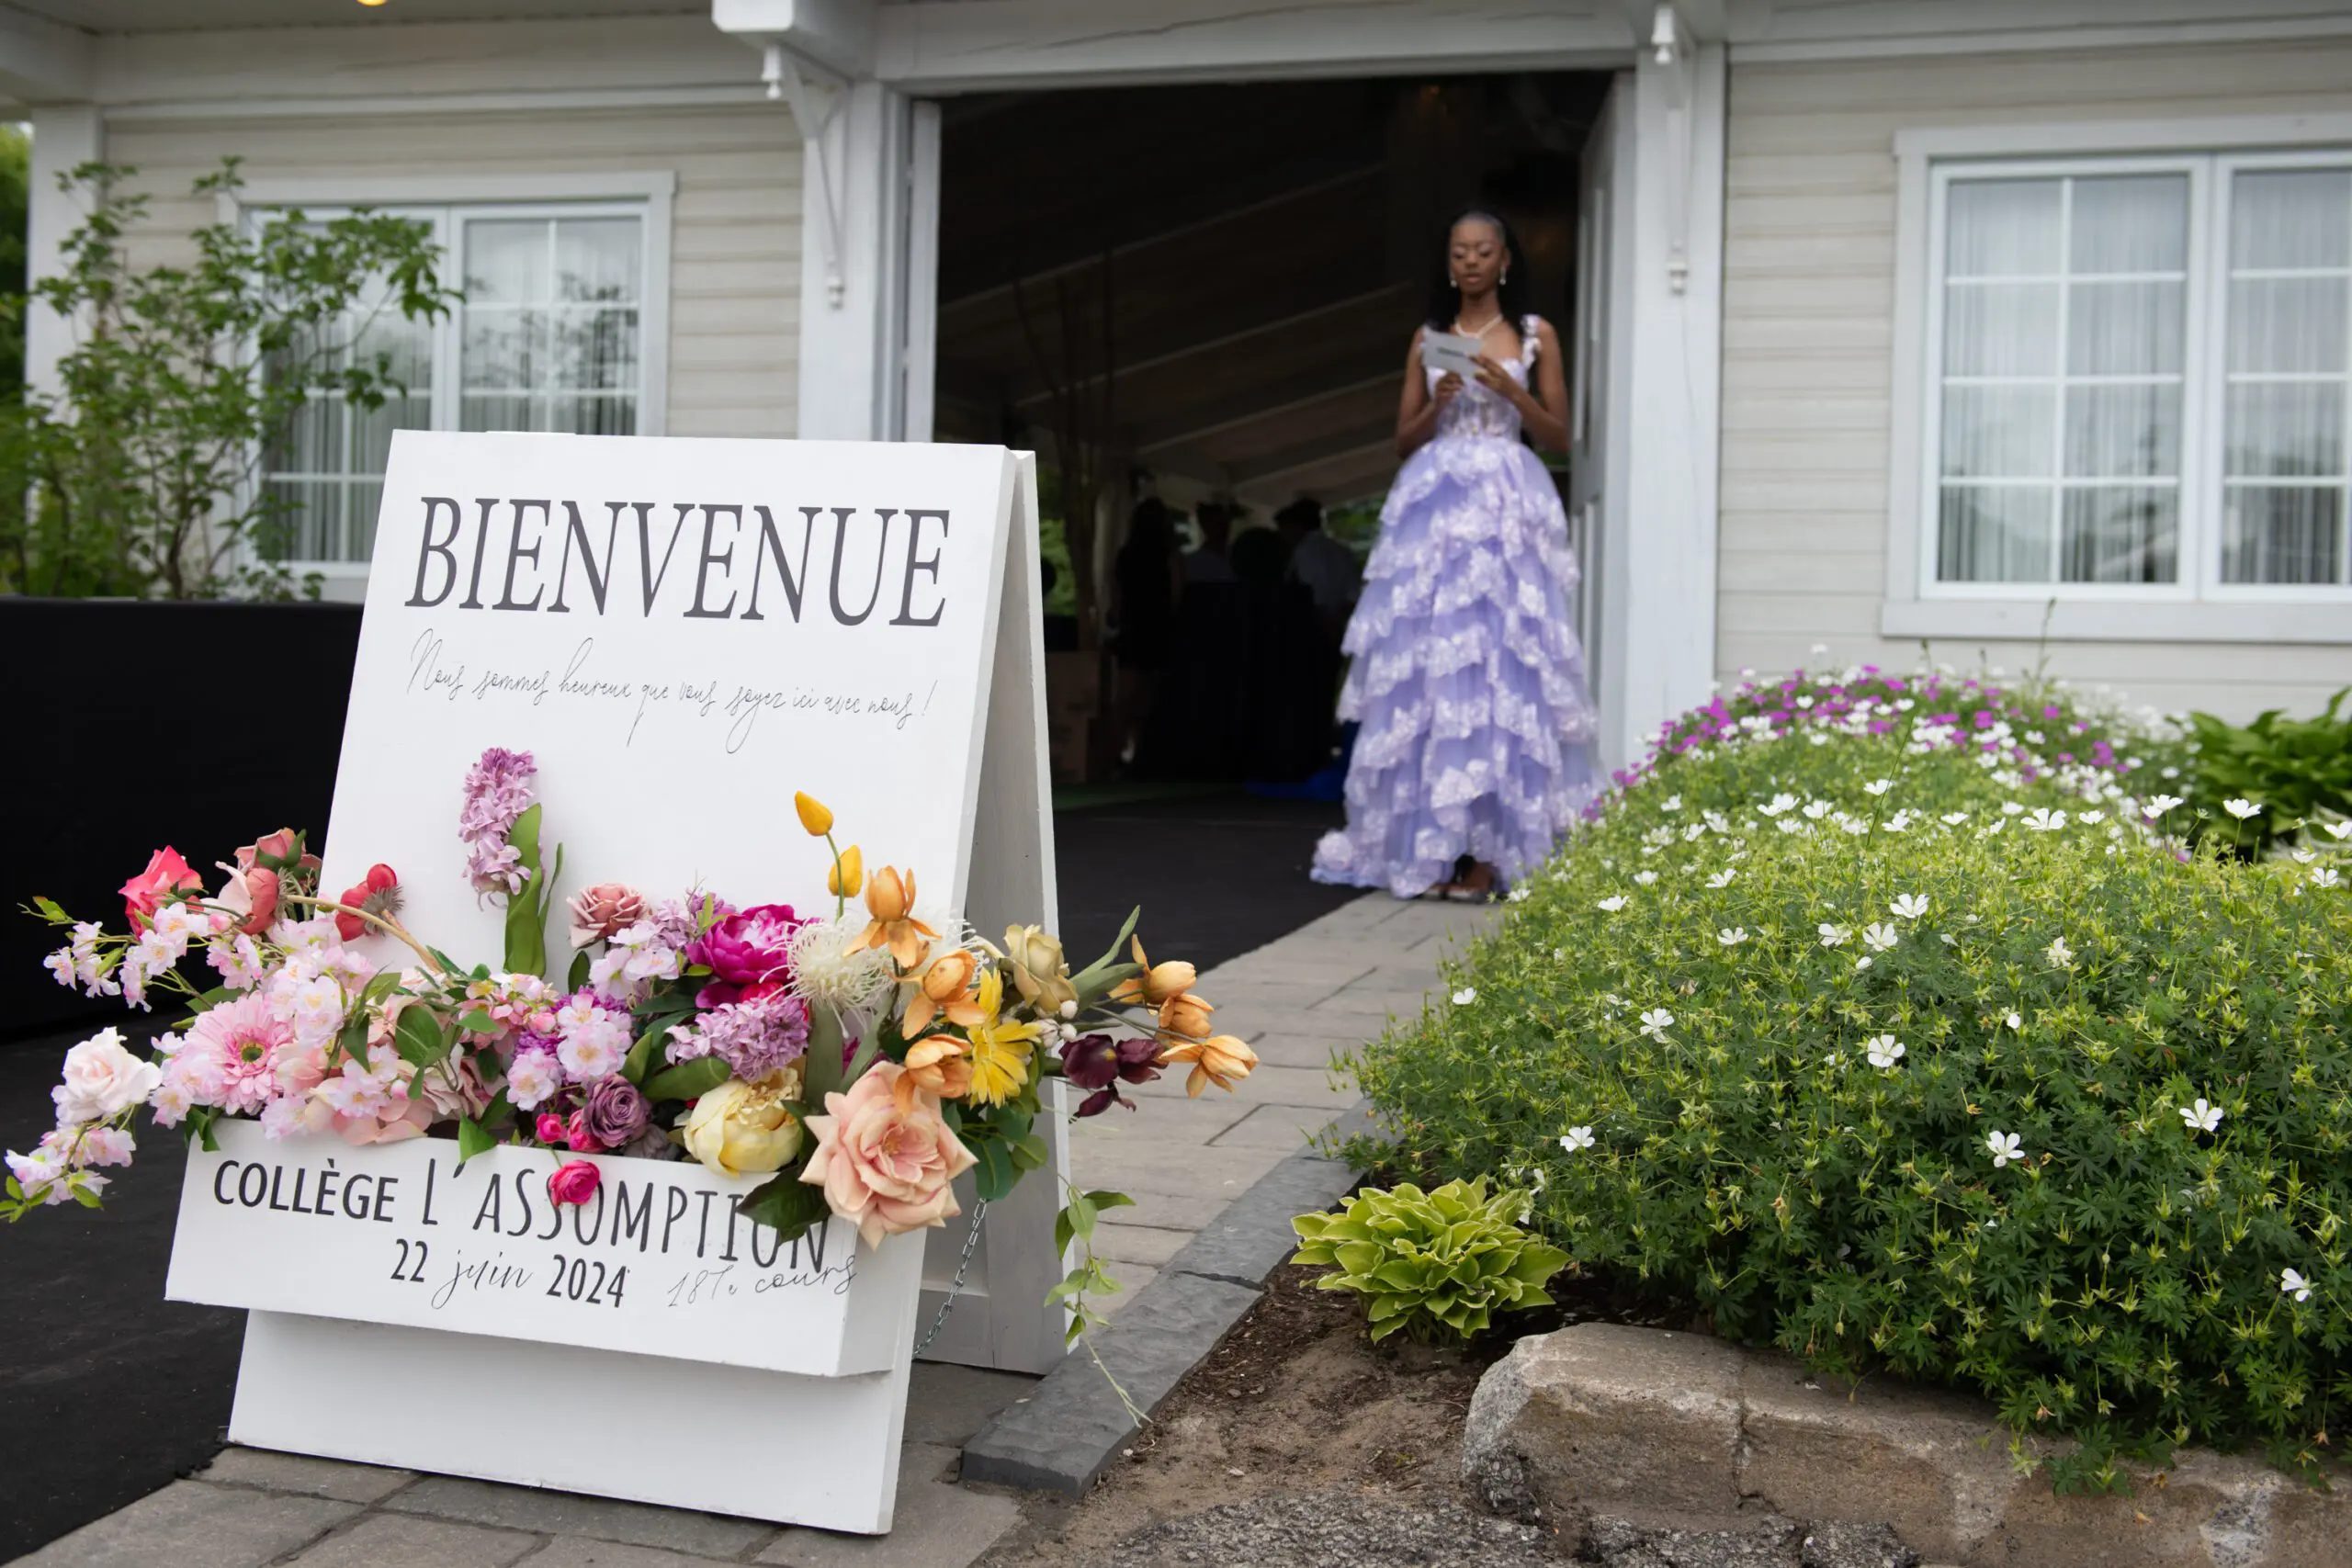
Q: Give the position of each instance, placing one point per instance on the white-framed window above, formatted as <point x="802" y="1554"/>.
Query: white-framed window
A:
<point x="562" y="327"/>
<point x="2124" y="386"/>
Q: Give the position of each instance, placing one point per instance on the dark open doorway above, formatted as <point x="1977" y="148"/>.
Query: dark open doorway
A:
<point x="1204" y="294"/>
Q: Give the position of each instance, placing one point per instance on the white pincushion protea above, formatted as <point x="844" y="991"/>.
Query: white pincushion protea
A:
<point x="826" y="973"/>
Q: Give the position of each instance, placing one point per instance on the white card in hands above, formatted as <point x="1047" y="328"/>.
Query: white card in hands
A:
<point x="1452" y="352"/>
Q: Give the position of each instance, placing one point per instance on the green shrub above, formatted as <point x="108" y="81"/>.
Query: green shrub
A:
<point x="2296" y="770"/>
<point x="1431" y="1261"/>
<point x="1756" y="1034"/>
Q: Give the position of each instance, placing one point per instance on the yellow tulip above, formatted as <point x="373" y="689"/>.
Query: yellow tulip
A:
<point x="846" y="874"/>
<point x="813" y="813"/>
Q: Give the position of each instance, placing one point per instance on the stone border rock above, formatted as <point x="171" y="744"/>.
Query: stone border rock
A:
<point x="1690" y="1432"/>
<point x="1067" y="1431"/>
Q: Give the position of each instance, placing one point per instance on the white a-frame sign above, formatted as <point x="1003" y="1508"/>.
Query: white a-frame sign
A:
<point x="683" y="633"/>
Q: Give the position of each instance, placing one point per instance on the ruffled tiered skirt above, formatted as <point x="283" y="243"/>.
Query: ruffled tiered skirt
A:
<point x="1468" y="680"/>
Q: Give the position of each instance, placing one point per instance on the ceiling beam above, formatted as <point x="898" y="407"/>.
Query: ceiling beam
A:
<point x="1312" y="454"/>
<point x="1303" y="391"/>
<point x="42" y="63"/>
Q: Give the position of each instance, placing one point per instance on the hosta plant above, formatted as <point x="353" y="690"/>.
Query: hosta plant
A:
<point x="1898" y="1041"/>
<point x="1431" y="1264"/>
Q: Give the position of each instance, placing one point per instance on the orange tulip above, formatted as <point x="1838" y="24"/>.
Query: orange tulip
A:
<point x="945" y="991"/>
<point x="942" y="1065"/>
<point x="1184" y="1017"/>
<point x="846" y="874"/>
<point x="1223" y="1061"/>
<point x="1158" y="983"/>
<point x="814" y="816"/>
<point x="890" y="898"/>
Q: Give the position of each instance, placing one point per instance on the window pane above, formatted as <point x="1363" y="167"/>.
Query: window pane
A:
<point x="594" y="416"/>
<point x="595" y="349"/>
<point x="597" y="259"/>
<point x="1993" y="534"/>
<point x="2111" y="534"/>
<point x="2291" y="217"/>
<point x="2273" y="534"/>
<point x="2002" y="227"/>
<point x="2124" y="329"/>
<point x="2287" y="324"/>
<point x="2286" y="429"/>
<point x="506" y="262"/>
<point x="371" y="429"/>
<point x="496" y="411"/>
<point x="360" y="502"/>
<point x="2001" y="329"/>
<point x="2112" y="430"/>
<point x="2000" y="432"/>
<point x="502" y="349"/>
<point x="311" y="512"/>
<point x="2130" y="224"/>
<point x="311" y="441"/>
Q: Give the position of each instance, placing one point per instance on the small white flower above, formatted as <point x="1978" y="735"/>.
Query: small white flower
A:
<point x="2159" y="805"/>
<point x="2011" y="808"/>
<point x="1577" y="1138"/>
<point x="1816" y="809"/>
<point x="1954" y="818"/>
<point x="2045" y="821"/>
<point x="1778" y="804"/>
<point x="1466" y="996"/>
<point x="2201" y="1117"/>
<point x="2302" y="857"/>
<point x="1614" y="903"/>
<point x="1671" y="803"/>
<point x="2338" y="829"/>
<point x="2169" y="773"/>
<point x="2005" y="1147"/>
<point x="1855" y="826"/>
<point x="2323" y="877"/>
<point x="1878" y="786"/>
<point x="2061" y="956"/>
<point x="2293" y="1284"/>
<point x="1721" y="879"/>
<point x="1878" y="936"/>
<point x="1863" y="962"/>
<point x="2091" y="819"/>
<point x="1885" y="1050"/>
<point x="1910" y="906"/>
<point x="2015" y="1022"/>
<point x="1655" y="1021"/>
<point x="1732" y="936"/>
<point x="1835" y="936"/>
<point x="1644" y="878"/>
<point x="2242" y="810"/>
<point x="1519" y="895"/>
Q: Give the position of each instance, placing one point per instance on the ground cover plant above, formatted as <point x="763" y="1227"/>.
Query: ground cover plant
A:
<point x="1890" y="1022"/>
<point x="2259" y="784"/>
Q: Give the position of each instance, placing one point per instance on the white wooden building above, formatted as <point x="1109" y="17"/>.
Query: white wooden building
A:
<point x="1973" y="322"/>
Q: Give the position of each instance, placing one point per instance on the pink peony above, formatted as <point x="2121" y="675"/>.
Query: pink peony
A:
<point x="574" y="1181"/>
<point x="748" y="954"/>
<point x="884" y="1158"/>
<point x="235" y="1046"/>
<point x="167" y="873"/>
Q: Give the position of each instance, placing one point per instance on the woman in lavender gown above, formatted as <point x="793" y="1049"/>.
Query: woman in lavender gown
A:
<point x="1474" y="751"/>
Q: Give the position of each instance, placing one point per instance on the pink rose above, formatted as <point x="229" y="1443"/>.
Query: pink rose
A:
<point x="103" y="1079"/>
<point x="250" y="896"/>
<point x="551" y="1129"/>
<point x="749" y="953"/>
<point x="600" y="911"/>
<point x="884" y="1156"/>
<point x="574" y="1181"/>
<point x="167" y="873"/>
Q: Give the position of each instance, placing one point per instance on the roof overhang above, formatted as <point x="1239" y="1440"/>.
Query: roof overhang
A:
<point x="42" y="63"/>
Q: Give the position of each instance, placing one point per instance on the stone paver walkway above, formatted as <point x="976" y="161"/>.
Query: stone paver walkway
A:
<point x="1330" y="985"/>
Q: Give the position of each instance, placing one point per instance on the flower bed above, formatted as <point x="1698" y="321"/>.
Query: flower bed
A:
<point x="1880" y="1021"/>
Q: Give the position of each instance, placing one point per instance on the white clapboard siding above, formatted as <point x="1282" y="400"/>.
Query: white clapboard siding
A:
<point x="1808" y="341"/>
<point x="734" y="318"/>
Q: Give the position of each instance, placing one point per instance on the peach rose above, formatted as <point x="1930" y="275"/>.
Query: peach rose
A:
<point x="884" y="1158"/>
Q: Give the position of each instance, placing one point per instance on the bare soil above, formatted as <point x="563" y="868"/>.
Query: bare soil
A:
<point x="1296" y="1400"/>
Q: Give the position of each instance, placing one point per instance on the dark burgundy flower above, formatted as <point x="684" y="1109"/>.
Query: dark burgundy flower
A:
<point x="1097" y="1062"/>
<point x="749" y="953"/>
<point x="614" y="1112"/>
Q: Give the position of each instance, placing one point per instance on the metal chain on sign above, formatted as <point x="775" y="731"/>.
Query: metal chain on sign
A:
<point x="955" y="1286"/>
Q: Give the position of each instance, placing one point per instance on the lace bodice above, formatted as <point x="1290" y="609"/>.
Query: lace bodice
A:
<point x="1480" y="412"/>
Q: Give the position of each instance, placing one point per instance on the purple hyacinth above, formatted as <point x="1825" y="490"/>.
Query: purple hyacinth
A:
<point x="753" y="1037"/>
<point x="497" y="791"/>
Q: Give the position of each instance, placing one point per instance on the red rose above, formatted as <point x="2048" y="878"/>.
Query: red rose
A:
<point x="167" y="873"/>
<point x="574" y="1181"/>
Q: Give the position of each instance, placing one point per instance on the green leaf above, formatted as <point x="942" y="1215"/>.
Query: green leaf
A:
<point x="688" y="1080"/>
<point x="785" y="1203"/>
<point x="417" y="1035"/>
<point x="51" y="911"/>
<point x="994" y="1176"/>
<point x="205" y="1002"/>
<point x="1029" y="1151"/>
<point x="640" y="1056"/>
<point x="352" y="1039"/>
<point x="820" y="1064"/>
<point x="526" y="937"/>
<point x="475" y="1020"/>
<point x="1080" y="1214"/>
<point x="472" y="1139"/>
<point x="1103" y="1198"/>
<point x="579" y="975"/>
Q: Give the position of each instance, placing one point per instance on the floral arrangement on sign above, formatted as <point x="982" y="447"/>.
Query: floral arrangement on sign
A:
<point x="862" y="1061"/>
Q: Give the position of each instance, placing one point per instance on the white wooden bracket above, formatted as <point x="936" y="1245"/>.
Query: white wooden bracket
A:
<point x="787" y="75"/>
<point x="1670" y="46"/>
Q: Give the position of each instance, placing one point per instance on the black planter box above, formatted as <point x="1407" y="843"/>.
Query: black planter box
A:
<point x="137" y="724"/>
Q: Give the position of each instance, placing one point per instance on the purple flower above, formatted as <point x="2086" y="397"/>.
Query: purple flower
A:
<point x="749" y="953"/>
<point x="755" y="1036"/>
<point x="497" y="791"/>
<point x="615" y="1111"/>
<point x="1097" y="1062"/>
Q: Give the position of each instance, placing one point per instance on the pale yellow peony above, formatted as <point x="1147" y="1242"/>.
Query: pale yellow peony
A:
<point x="747" y="1129"/>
